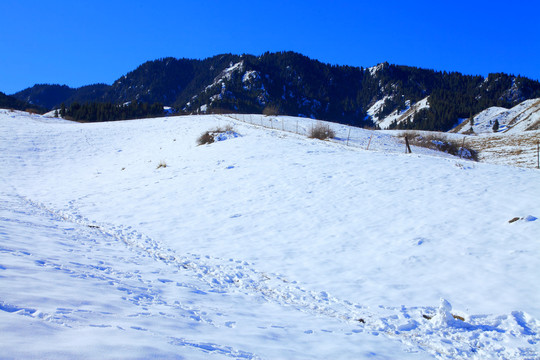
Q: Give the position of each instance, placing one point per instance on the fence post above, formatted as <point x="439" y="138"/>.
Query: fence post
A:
<point x="297" y="127"/>
<point x="538" y="155"/>
<point x="348" y="136"/>
<point x="462" y="147"/>
<point x="408" y="150"/>
<point x="369" y="142"/>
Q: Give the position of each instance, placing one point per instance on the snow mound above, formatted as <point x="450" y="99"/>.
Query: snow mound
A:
<point x="444" y="316"/>
<point x="222" y="136"/>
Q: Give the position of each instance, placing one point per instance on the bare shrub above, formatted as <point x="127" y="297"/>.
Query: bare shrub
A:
<point x="321" y="132"/>
<point x="206" y="137"/>
<point x="209" y="136"/>
<point x="162" y="164"/>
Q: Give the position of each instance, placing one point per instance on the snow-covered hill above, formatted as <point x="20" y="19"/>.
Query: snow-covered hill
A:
<point x="522" y="117"/>
<point x="266" y="245"/>
<point x="396" y="116"/>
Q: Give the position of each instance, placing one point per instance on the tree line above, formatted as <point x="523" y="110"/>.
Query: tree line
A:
<point x="97" y="112"/>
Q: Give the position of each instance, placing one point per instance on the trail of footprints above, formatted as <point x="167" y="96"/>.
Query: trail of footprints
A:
<point x="223" y="275"/>
<point x="95" y="261"/>
<point x="407" y="325"/>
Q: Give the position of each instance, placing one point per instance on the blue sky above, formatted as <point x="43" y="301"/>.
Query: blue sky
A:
<point x="80" y="42"/>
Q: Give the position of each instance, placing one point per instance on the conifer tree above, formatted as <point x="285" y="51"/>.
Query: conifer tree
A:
<point x="496" y="126"/>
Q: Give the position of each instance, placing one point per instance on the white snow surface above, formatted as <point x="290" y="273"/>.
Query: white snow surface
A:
<point x="266" y="245"/>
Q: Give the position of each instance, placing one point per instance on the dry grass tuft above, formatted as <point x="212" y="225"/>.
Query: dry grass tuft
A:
<point x="321" y="132"/>
<point x="206" y="137"/>
<point x="162" y="164"/>
<point x="209" y="136"/>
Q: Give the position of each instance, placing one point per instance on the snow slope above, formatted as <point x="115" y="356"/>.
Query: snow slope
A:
<point x="267" y="245"/>
<point x="396" y="116"/>
<point x="522" y="117"/>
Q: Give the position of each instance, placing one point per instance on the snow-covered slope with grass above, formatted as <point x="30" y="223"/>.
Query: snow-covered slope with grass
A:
<point x="522" y="117"/>
<point x="396" y="116"/>
<point x="265" y="245"/>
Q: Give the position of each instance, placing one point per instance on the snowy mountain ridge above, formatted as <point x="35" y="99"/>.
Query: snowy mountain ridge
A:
<point x="289" y="83"/>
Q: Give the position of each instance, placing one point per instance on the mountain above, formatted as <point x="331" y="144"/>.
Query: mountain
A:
<point x="389" y="96"/>
<point x="52" y="96"/>
<point x="11" y="102"/>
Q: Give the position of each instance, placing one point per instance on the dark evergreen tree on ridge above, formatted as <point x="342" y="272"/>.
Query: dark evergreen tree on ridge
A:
<point x="495" y="126"/>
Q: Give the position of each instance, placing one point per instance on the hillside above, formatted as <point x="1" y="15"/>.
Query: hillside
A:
<point x="10" y="102"/>
<point x="522" y="117"/>
<point x="264" y="245"/>
<point x="52" y="96"/>
<point x="390" y="96"/>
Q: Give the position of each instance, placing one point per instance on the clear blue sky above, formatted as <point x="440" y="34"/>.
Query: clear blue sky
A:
<point x="80" y="42"/>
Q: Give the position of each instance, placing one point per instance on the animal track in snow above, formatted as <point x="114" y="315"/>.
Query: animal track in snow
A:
<point x="410" y="325"/>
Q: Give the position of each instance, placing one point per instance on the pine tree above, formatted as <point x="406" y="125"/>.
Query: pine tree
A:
<point x="496" y="126"/>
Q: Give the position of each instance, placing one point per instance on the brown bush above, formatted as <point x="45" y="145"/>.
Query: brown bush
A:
<point x="321" y="132"/>
<point x="206" y="138"/>
<point x="209" y="136"/>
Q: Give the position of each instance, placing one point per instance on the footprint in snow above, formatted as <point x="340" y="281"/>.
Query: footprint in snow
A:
<point x="138" y="328"/>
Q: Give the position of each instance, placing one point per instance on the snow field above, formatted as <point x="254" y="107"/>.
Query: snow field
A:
<point x="278" y="244"/>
